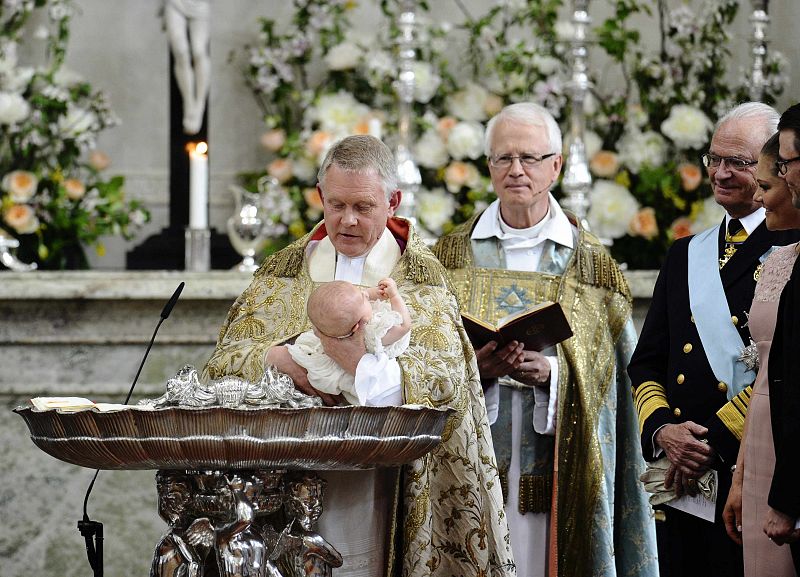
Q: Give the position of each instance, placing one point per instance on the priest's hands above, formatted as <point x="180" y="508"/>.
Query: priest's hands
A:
<point x="527" y="367"/>
<point x="780" y="527"/>
<point x="347" y="352"/>
<point x="282" y="360"/>
<point x="690" y="456"/>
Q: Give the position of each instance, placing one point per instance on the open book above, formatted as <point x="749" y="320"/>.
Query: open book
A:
<point x="539" y="327"/>
<point x="72" y="404"/>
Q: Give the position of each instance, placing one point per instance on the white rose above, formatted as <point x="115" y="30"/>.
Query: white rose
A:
<point x="466" y="140"/>
<point x="547" y="65"/>
<point x="343" y="56"/>
<point x="17" y="79"/>
<point x="637" y="149"/>
<point x="77" y="121"/>
<point x="426" y="82"/>
<point x="430" y="150"/>
<point x="20" y="185"/>
<point x="338" y="113"/>
<point x="613" y="207"/>
<point x="435" y="208"/>
<point x="468" y="104"/>
<point x="709" y="214"/>
<point x="13" y="108"/>
<point x="687" y="127"/>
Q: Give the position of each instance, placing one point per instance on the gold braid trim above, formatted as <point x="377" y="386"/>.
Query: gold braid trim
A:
<point x="649" y="397"/>
<point x="535" y="493"/>
<point x="597" y="267"/>
<point x="733" y="413"/>
<point x="504" y="483"/>
<point x="419" y="263"/>
<point x="455" y="250"/>
<point x="287" y="262"/>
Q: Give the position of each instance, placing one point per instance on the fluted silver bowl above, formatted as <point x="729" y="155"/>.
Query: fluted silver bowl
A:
<point x="317" y="438"/>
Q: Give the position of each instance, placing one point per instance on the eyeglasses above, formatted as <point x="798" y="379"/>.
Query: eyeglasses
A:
<point x="781" y="165"/>
<point x="732" y="162"/>
<point x="526" y="160"/>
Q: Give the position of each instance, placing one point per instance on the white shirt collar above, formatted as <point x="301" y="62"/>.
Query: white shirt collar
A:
<point x="751" y="221"/>
<point x="555" y="226"/>
<point x="325" y="264"/>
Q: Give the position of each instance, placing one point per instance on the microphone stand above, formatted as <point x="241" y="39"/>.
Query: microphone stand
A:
<point x="92" y="531"/>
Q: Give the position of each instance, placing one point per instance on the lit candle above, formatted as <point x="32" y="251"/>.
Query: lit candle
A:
<point x="198" y="186"/>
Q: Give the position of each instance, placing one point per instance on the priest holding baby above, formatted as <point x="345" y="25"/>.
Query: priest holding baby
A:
<point x="449" y="519"/>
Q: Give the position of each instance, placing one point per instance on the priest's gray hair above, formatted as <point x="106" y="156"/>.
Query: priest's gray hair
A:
<point x="362" y="154"/>
<point x="760" y="114"/>
<point x="529" y="114"/>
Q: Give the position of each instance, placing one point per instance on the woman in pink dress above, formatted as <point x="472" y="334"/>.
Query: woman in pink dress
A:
<point x="746" y="507"/>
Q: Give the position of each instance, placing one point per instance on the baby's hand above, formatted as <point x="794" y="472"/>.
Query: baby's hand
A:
<point x="388" y="288"/>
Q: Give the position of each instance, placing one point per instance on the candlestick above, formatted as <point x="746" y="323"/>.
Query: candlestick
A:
<point x="409" y="178"/>
<point x="577" y="179"/>
<point x="198" y="186"/>
<point x="760" y="20"/>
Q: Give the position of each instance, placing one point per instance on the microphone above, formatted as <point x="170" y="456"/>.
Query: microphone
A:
<point x="92" y="531"/>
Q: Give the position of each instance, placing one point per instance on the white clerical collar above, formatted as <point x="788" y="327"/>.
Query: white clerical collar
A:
<point x="555" y="226"/>
<point x="751" y="221"/>
<point x="325" y="264"/>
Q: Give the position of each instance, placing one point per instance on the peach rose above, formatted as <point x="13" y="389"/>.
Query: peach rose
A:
<point x="75" y="188"/>
<point x="21" y="218"/>
<point x="20" y="184"/>
<point x="492" y="105"/>
<point x="318" y="142"/>
<point x="281" y="169"/>
<point x="681" y="227"/>
<point x="445" y="125"/>
<point x="459" y="174"/>
<point x="273" y="140"/>
<point x="362" y="126"/>
<point x="313" y="200"/>
<point x="604" y="164"/>
<point x="691" y="176"/>
<point x="644" y="223"/>
<point x="99" y="160"/>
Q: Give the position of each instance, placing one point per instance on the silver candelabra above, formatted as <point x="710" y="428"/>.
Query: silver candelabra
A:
<point x="577" y="179"/>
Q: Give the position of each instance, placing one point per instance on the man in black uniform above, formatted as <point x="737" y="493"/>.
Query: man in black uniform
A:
<point x="691" y="389"/>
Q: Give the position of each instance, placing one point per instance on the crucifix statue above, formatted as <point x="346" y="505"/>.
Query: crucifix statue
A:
<point x="187" y="25"/>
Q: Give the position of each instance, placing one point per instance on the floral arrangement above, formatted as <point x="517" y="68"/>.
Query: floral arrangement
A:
<point x="53" y="194"/>
<point x="650" y="186"/>
<point x="317" y="81"/>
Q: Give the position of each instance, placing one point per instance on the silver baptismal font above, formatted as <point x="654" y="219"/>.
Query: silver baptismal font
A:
<point x="237" y="466"/>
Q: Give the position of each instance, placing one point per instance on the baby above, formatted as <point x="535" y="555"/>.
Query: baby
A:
<point x="339" y="309"/>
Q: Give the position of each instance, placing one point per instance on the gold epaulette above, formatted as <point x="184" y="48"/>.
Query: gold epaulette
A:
<point x="287" y="262"/>
<point x="454" y="250"/>
<point x="649" y="396"/>
<point x="733" y="413"/>
<point x="597" y="267"/>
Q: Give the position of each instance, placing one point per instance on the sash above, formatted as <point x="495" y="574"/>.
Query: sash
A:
<point x="709" y="305"/>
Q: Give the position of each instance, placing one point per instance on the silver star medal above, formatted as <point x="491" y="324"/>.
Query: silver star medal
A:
<point x="749" y="356"/>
